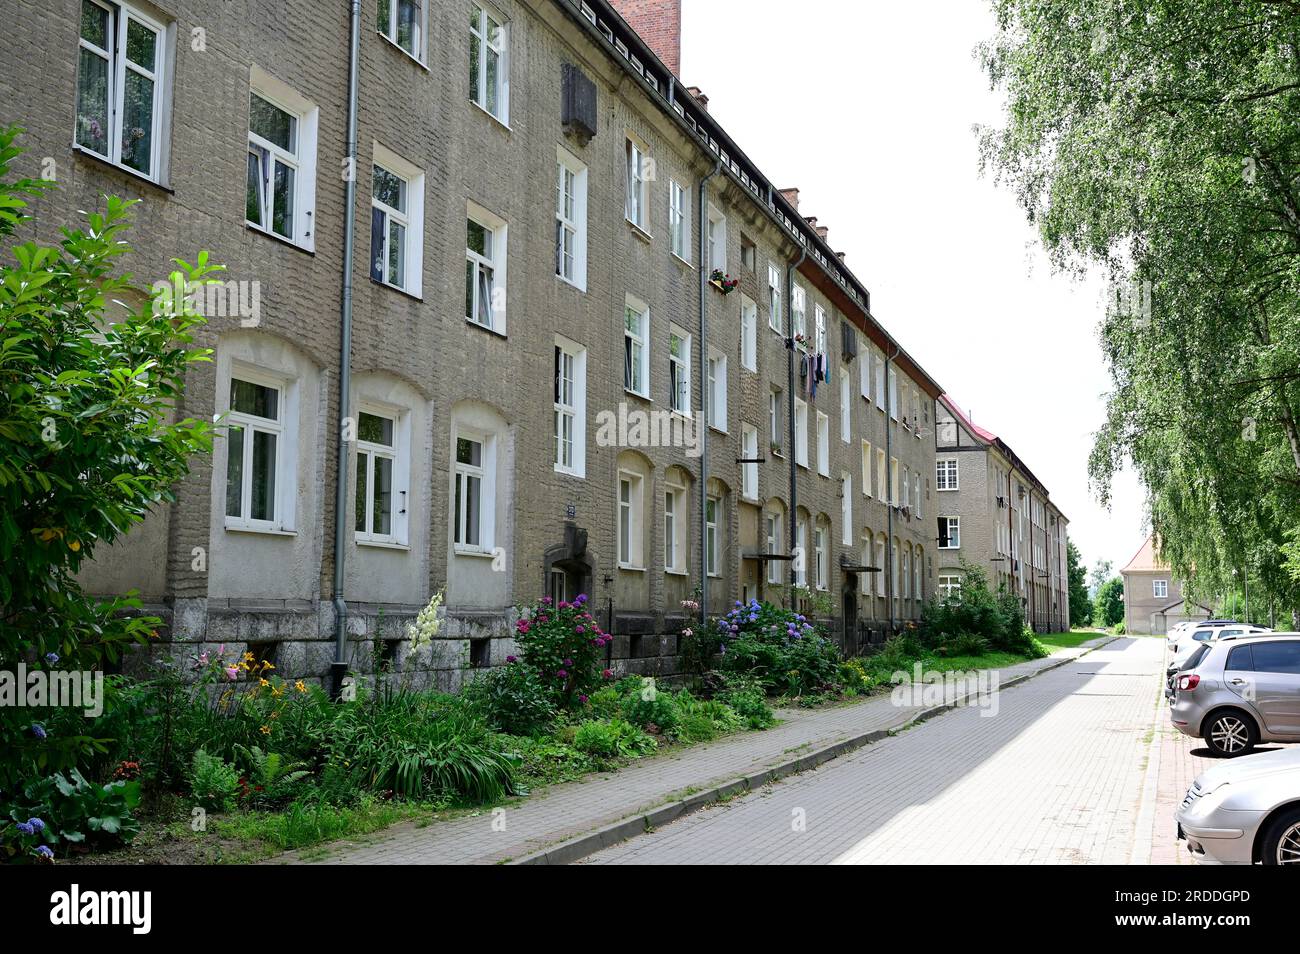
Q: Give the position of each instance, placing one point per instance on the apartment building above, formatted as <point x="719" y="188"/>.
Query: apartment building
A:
<point x="1153" y="596"/>
<point x="487" y="353"/>
<point x="992" y="512"/>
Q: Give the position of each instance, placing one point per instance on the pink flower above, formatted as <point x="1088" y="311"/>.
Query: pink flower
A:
<point x="582" y="699"/>
<point x="232" y="673"/>
<point x="580" y="629"/>
<point x="608" y="674"/>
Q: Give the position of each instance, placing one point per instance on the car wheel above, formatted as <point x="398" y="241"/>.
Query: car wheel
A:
<point x="1281" y="845"/>
<point x="1230" y="733"/>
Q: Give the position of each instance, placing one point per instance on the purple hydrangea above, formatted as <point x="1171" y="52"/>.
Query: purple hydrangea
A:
<point x="51" y="658"/>
<point x="37" y="730"/>
<point x="44" y="851"/>
<point x="37" y="824"/>
<point x="25" y="828"/>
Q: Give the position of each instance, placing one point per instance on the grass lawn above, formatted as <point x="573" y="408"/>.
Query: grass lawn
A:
<point x="1067" y="640"/>
<point x="990" y="660"/>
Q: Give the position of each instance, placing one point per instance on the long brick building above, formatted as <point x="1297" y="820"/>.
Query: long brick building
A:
<point x="512" y="213"/>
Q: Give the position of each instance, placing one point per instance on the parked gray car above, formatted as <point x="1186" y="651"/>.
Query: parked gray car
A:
<point x="1241" y="692"/>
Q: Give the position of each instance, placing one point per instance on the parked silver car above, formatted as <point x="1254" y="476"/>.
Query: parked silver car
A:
<point x="1241" y="692"/>
<point x="1183" y="658"/>
<point x="1245" y="811"/>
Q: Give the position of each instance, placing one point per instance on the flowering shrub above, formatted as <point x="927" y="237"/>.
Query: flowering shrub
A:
<point x="782" y="649"/>
<point x="512" y="699"/>
<point x="563" y="644"/>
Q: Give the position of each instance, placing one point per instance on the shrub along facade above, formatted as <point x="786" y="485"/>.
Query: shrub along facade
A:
<point x="547" y="395"/>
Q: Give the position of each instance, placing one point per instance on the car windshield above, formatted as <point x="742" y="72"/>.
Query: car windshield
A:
<point x="1195" y="658"/>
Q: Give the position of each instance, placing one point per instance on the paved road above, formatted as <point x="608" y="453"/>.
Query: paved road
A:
<point x="1058" y="775"/>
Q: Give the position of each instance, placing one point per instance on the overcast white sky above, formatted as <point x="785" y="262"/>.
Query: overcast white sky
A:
<point x="868" y="109"/>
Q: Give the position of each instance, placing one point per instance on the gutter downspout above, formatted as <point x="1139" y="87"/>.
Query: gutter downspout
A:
<point x="338" y="669"/>
<point x="789" y="374"/>
<point x="890" y="390"/>
<point x="702" y="426"/>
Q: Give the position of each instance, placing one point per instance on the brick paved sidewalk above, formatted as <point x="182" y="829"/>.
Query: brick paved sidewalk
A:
<point x="563" y="811"/>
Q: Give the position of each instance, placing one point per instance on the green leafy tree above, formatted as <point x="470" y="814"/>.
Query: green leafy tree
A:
<point x="88" y="441"/>
<point x="1080" y="605"/>
<point x="1157" y="143"/>
<point x="1109" y="609"/>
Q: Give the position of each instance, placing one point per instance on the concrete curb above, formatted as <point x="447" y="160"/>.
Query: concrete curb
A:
<point x="589" y="843"/>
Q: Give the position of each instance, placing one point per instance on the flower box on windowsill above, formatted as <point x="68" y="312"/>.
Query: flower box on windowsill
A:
<point x="723" y="282"/>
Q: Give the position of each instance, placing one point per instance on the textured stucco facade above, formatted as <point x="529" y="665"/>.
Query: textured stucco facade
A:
<point x="442" y="377"/>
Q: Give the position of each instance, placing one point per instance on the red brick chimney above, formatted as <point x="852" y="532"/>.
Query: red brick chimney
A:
<point x="659" y="23"/>
<point x="791" y="196"/>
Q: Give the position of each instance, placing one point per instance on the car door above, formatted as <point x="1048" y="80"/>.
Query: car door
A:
<point x="1277" y="686"/>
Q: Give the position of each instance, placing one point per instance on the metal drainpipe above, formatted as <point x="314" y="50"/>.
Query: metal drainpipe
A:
<point x="889" y="476"/>
<point x="789" y="369"/>
<point x="338" y="669"/>
<point x="702" y="425"/>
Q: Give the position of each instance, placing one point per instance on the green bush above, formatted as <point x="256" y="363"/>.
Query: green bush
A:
<point x="783" y="650"/>
<point x="648" y="705"/>
<point x="90" y="442"/>
<point x="613" y="739"/>
<point x="512" y="699"/>
<point x="701" y="720"/>
<point x="67" y="810"/>
<point x="269" y="779"/>
<point x="750" y="704"/>
<point x="563" y="644"/>
<point x="213" y="783"/>
<point x="420" y="746"/>
<point x="976" y="611"/>
<point x="965" y="644"/>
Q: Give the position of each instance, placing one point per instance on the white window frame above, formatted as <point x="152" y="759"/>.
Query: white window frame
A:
<point x="893" y="481"/>
<point x="679" y="372"/>
<point x="748" y="333"/>
<point x="749" y="451"/>
<point x="867" y="467"/>
<point x="880" y="381"/>
<point x="572" y="225"/>
<point x="717" y="365"/>
<point x="120" y="15"/>
<point x="893" y="393"/>
<point x="421" y="23"/>
<point x="570" y="408"/>
<point x="947" y="474"/>
<point x="864" y="367"/>
<point x="954" y="533"/>
<point x="846" y="508"/>
<point x="772" y="531"/>
<point x="412" y="219"/>
<point x="821" y="567"/>
<point x="399" y="453"/>
<point x="1160" y="589"/>
<point x="639" y="172"/>
<point x="679" y="221"/>
<point x="907" y="487"/>
<point x="823" y="444"/>
<point x="882" y="476"/>
<point x="716" y="230"/>
<point x="479" y="37"/>
<point x="799" y="315"/>
<point x="819" y="329"/>
<point x="499" y="231"/>
<point x="302" y="160"/>
<point x="712" y="539"/>
<point x="284" y="429"/>
<point x="486" y="474"/>
<point x="674" y="525"/>
<point x="801" y="550"/>
<point x="640" y="348"/>
<point x="949" y="585"/>
<point x="880" y="564"/>
<point x="916" y="493"/>
<point x="774" y="416"/>
<point x="846" y="406"/>
<point x="800" y="432"/>
<point x="775" y="318"/>
<point x="631" y="548"/>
